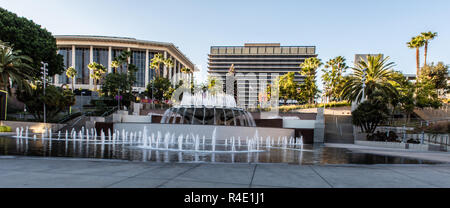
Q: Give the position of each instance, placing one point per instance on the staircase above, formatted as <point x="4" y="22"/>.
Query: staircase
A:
<point x="430" y="114"/>
<point x="339" y="129"/>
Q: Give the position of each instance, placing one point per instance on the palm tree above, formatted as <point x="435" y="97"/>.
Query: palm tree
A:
<point x="13" y="67"/>
<point x="378" y="75"/>
<point x="308" y="69"/>
<point x="115" y="64"/>
<point x="188" y="71"/>
<point x="156" y="62"/>
<point x="71" y="73"/>
<point x="98" y="71"/>
<point x="416" y="42"/>
<point x="169" y="64"/>
<point x="427" y="36"/>
<point x="333" y="78"/>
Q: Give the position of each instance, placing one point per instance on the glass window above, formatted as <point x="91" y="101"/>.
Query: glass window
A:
<point x="138" y="59"/>
<point x="101" y="56"/>
<point x="66" y="53"/>
<point x="81" y="63"/>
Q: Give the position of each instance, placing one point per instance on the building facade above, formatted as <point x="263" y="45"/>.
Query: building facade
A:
<point x="255" y="66"/>
<point x="79" y="51"/>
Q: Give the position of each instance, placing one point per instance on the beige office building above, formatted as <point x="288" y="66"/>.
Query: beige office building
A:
<point x="78" y="51"/>
<point x="256" y="65"/>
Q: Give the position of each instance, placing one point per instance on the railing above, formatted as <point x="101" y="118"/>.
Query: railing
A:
<point x="109" y="112"/>
<point x="70" y="117"/>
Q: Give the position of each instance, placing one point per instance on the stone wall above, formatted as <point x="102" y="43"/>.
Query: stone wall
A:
<point x="223" y="132"/>
<point x="34" y="127"/>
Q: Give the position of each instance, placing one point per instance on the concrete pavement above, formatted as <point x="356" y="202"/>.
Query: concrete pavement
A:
<point x="34" y="172"/>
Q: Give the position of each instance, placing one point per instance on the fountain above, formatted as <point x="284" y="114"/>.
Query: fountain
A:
<point x="206" y="109"/>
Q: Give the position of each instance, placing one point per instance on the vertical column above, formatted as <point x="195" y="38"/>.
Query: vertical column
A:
<point x="175" y="75"/>
<point x="91" y="59"/>
<point x="56" y="77"/>
<point x="129" y="58"/>
<point x="180" y="75"/>
<point x="170" y="74"/>
<point x="109" y="59"/>
<point x="147" y="68"/>
<point x="73" y="63"/>
<point x="165" y="68"/>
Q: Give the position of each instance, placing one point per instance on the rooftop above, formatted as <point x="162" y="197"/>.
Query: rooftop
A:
<point x="124" y="40"/>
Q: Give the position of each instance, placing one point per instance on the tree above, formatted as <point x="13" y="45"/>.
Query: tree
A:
<point x="405" y="101"/>
<point x="98" y="71"/>
<point x="333" y="77"/>
<point x="378" y="76"/>
<point x="115" y="65"/>
<point x="56" y="99"/>
<point x="158" y="87"/>
<point x="14" y="67"/>
<point x="416" y="43"/>
<point x="288" y="87"/>
<point x="437" y="74"/>
<point x="34" y="42"/>
<point x="117" y="84"/>
<point x="168" y="63"/>
<point x="369" y="115"/>
<point x="155" y="63"/>
<point x="427" y="36"/>
<point x="426" y="95"/>
<point x="71" y="73"/>
<point x="308" y="69"/>
<point x="188" y="71"/>
<point x="432" y="79"/>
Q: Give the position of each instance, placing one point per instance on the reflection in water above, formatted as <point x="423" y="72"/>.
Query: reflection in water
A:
<point x="91" y="148"/>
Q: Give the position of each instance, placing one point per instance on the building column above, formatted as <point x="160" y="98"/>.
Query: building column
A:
<point x="165" y="68"/>
<point x="175" y="81"/>
<point x="169" y="73"/>
<point x="73" y="63"/>
<point x="109" y="59"/>
<point x="91" y="59"/>
<point x="56" y="77"/>
<point x="147" y="68"/>
<point x="129" y="58"/>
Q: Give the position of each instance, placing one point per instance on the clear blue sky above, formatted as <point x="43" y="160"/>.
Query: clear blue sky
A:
<point x="342" y="27"/>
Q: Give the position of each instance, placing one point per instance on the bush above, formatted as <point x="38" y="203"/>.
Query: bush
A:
<point x="382" y="137"/>
<point x="5" y="129"/>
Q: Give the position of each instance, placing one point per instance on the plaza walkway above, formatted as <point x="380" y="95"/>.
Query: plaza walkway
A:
<point x="75" y="173"/>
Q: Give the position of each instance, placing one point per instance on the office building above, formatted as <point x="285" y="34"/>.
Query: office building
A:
<point x="255" y="65"/>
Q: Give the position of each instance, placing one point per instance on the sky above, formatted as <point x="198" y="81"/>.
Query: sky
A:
<point x="336" y="28"/>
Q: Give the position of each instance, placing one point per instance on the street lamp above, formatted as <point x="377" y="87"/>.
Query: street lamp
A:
<point x="44" y="77"/>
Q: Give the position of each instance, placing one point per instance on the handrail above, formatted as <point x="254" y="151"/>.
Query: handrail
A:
<point x="69" y="117"/>
<point x="109" y="112"/>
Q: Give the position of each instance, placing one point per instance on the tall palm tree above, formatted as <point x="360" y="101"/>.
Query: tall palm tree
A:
<point x="156" y="62"/>
<point x="13" y="68"/>
<point x="427" y="36"/>
<point x="71" y="73"/>
<point x="186" y="70"/>
<point x="169" y="64"/>
<point x="417" y="42"/>
<point x="308" y="69"/>
<point x="98" y="71"/>
<point x="115" y="65"/>
<point x="378" y="75"/>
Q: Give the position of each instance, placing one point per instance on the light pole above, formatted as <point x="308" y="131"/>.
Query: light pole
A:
<point x="364" y="84"/>
<point x="44" y="77"/>
<point x="118" y="99"/>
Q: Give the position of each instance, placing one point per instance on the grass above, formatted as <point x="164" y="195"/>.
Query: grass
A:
<point x="288" y="108"/>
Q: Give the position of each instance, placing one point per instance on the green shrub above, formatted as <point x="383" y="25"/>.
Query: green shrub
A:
<point x="5" y="129"/>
